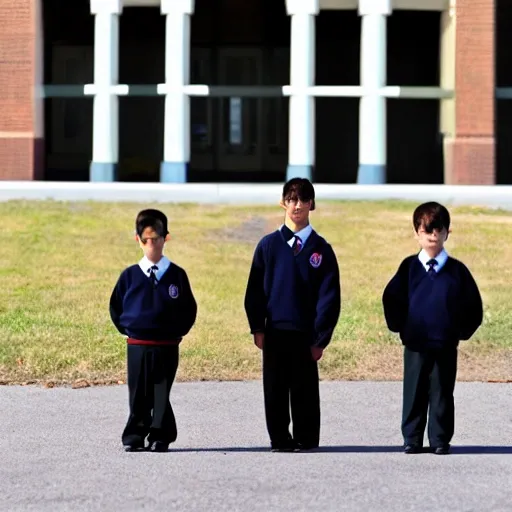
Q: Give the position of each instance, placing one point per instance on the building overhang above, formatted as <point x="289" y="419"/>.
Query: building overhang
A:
<point x="412" y="5"/>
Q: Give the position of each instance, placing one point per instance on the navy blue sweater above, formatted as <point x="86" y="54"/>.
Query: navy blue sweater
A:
<point x="288" y="292"/>
<point x="432" y="313"/>
<point x="141" y="311"/>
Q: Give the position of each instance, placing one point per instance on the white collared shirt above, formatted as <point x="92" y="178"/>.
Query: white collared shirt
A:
<point x="162" y="265"/>
<point x="303" y="234"/>
<point x="440" y="258"/>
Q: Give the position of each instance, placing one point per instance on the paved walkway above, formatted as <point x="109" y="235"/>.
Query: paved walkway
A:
<point x="250" y="193"/>
<point x="60" y="451"/>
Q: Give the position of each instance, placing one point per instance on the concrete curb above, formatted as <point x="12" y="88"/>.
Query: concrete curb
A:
<point x="496" y="196"/>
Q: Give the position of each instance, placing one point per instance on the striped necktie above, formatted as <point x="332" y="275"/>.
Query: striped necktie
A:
<point x="152" y="275"/>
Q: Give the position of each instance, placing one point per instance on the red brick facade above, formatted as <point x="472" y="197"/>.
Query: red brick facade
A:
<point x="469" y="156"/>
<point x="21" y="155"/>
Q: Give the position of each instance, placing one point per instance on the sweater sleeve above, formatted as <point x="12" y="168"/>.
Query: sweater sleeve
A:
<point x="116" y="304"/>
<point x="470" y="305"/>
<point x="328" y="306"/>
<point x="255" y="299"/>
<point x="188" y="306"/>
<point x="395" y="299"/>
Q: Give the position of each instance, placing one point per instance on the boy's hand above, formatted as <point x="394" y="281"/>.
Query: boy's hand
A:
<point x="316" y="353"/>
<point x="259" y="339"/>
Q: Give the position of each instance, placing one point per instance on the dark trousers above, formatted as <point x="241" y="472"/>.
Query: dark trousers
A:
<point x="151" y="373"/>
<point x="429" y="382"/>
<point x="290" y="381"/>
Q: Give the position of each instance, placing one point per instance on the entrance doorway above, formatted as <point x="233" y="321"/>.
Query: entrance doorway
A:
<point x="239" y="137"/>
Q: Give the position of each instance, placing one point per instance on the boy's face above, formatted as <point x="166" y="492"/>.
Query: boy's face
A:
<point x="296" y="209"/>
<point x="432" y="242"/>
<point x="152" y="244"/>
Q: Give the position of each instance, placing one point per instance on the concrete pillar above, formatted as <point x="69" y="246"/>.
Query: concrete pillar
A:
<point x="301" y="158"/>
<point x="105" y="139"/>
<point x="468" y="52"/>
<point x="177" y="104"/>
<point x="372" y="108"/>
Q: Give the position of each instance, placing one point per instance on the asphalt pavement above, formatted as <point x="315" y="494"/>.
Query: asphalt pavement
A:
<point x="61" y="451"/>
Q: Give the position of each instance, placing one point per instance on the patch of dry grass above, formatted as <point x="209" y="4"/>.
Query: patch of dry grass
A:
<point x="59" y="262"/>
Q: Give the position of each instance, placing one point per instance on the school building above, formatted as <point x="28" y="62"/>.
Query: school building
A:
<point x="342" y="91"/>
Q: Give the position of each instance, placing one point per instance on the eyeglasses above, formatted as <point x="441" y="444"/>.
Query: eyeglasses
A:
<point x="153" y="239"/>
<point x="296" y="200"/>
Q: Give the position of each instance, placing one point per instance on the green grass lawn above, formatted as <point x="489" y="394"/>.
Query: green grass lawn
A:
<point x="59" y="262"/>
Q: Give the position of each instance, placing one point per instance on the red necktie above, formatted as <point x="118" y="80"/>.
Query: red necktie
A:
<point x="297" y="246"/>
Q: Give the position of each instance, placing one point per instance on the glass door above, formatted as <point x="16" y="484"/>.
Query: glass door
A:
<point x="240" y="126"/>
<point x="201" y="109"/>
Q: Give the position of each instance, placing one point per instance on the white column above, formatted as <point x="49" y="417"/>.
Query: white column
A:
<point x="106" y="106"/>
<point x="372" y="109"/>
<point x="177" y="104"/>
<point x="301" y="132"/>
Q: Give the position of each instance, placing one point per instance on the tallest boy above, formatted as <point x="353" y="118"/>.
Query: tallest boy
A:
<point x="293" y="305"/>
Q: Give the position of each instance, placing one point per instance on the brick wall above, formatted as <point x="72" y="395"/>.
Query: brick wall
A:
<point x="471" y="154"/>
<point x="20" y="147"/>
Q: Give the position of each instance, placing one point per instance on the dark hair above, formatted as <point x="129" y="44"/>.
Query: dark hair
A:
<point x="299" y="188"/>
<point x="432" y="216"/>
<point x="153" y="219"/>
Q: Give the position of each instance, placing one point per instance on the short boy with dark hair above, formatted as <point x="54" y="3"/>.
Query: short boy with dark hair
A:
<point x="433" y="302"/>
<point x="153" y="305"/>
<point x="293" y="304"/>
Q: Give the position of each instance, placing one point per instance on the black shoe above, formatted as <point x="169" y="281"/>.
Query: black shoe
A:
<point x="135" y="447"/>
<point x="286" y="446"/>
<point x="304" y="447"/>
<point x="441" y="450"/>
<point x="412" y="449"/>
<point x="158" y="447"/>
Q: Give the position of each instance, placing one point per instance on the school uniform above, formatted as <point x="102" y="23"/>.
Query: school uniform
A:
<point x="293" y="296"/>
<point x="433" y="303"/>
<point x="153" y="305"/>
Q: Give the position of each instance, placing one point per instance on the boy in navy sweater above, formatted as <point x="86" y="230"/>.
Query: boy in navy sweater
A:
<point x="292" y="303"/>
<point x="153" y="305"/>
<point x="433" y="302"/>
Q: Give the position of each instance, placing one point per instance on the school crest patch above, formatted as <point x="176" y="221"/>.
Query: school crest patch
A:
<point x="315" y="260"/>
<point x="173" y="291"/>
